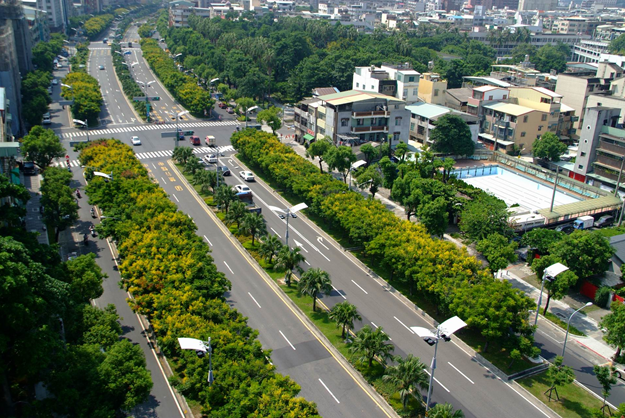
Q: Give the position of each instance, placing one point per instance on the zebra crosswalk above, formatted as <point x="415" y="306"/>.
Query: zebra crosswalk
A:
<point x="157" y="154"/>
<point x="146" y="127"/>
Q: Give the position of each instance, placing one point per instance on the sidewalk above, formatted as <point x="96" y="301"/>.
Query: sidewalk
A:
<point x="34" y="220"/>
<point x="515" y="273"/>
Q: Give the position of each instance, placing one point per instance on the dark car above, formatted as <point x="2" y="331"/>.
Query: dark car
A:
<point x="224" y="170"/>
<point x="605" y="220"/>
<point x="29" y="168"/>
<point x="566" y="228"/>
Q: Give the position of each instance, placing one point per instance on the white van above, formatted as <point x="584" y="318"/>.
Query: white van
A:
<point x="46" y="119"/>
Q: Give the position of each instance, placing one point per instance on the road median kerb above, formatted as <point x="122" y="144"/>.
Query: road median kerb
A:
<point x="355" y="374"/>
<point x="121" y="89"/>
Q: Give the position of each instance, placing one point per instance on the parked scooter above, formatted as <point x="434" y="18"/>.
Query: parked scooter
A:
<point x="92" y="230"/>
<point x="93" y="215"/>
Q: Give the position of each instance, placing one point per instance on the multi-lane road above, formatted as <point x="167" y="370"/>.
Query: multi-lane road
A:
<point x="298" y="350"/>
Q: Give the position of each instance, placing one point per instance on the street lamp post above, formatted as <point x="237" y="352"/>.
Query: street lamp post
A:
<point x="444" y="331"/>
<point x="550" y="274"/>
<point x="201" y="348"/>
<point x="177" y="115"/>
<point x="288" y="212"/>
<point x="568" y="324"/>
<point x="147" y="96"/>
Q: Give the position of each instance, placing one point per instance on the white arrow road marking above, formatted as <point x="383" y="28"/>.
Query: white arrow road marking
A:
<point x="299" y="244"/>
<point x="320" y="241"/>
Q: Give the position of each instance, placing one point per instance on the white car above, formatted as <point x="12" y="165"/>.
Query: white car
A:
<point x="211" y="159"/>
<point x="240" y="188"/>
<point x="247" y="175"/>
<point x="135" y="140"/>
<point x="55" y="81"/>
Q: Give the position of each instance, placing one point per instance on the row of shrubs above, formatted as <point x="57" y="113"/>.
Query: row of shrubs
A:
<point x="450" y="279"/>
<point x="175" y="283"/>
<point x="96" y="25"/>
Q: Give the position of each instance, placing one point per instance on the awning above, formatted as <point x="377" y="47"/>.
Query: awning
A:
<point x="308" y="137"/>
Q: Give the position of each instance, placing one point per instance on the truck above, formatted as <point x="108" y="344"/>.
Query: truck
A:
<point x="584" y="222"/>
<point x="210" y="141"/>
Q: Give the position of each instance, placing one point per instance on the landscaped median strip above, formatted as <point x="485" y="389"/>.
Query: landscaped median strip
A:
<point x="289" y="302"/>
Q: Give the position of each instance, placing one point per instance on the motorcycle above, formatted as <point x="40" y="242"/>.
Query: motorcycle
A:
<point x="93" y="215"/>
<point x="92" y="230"/>
<point x="78" y="194"/>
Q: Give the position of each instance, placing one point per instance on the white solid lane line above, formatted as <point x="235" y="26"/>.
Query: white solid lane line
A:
<point x="256" y="302"/>
<point x="463" y="375"/>
<point x="207" y="240"/>
<point x="337" y="291"/>
<point x="366" y="293"/>
<point x="172" y="195"/>
<point x="324" y="385"/>
<point x="397" y="319"/>
<point x="287" y="340"/>
<point x="229" y="267"/>
<point x="437" y="381"/>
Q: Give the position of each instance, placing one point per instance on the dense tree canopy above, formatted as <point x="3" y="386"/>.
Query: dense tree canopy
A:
<point x="41" y="146"/>
<point x="452" y="136"/>
<point x="548" y="146"/>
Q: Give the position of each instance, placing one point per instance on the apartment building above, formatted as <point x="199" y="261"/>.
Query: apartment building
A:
<point x="538" y="5"/>
<point x="575" y="88"/>
<point x="507" y="125"/>
<point x="423" y="118"/>
<point x="399" y="81"/>
<point x="575" y="25"/>
<point x="484" y="95"/>
<point x="537" y="39"/>
<point x="432" y="88"/>
<point x="352" y="117"/>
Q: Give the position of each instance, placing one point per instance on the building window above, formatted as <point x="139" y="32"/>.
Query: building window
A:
<point x="411" y="79"/>
<point x="505" y="96"/>
<point x="344" y="122"/>
<point x="543" y="118"/>
<point x="583" y="154"/>
<point x="420" y="130"/>
<point x="580" y="166"/>
<point x="522" y="134"/>
<point x="546" y="100"/>
<point x="405" y="93"/>
<point x="397" y="121"/>
<point x="415" y="91"/>
<point x="374" y="121"/>
<point x="412" y="126"/>
<point x="435" y="92"/>
<point x="322" y="131"/>
<point x="540" y="128"/>
<point x="357" y="85"/>
<point x="372" y="87"/>
<point x="360" y="122"/>
<point x="490" y="97"/>
<point x="524" y="119"/>
<point x="486" y="125"/>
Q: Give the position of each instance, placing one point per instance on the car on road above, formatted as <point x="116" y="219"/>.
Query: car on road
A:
<point x="195" y="140"/>
<point x="230" y="110"/>
<point x="55" y="81"/>
<point x="566" y="228"/>
<point x="29" y="168"/>
<point x="293" y="215"/>
<point x="241" y="188"/>
<point x="246" y="175"/>
<point x="210" y="140"/>
<point x="223" y="170"/>
<point x="50" y="90"/>
<point x="101" y="67"/>
<point x="211" y="159"/>
<point x="135" y="140"/>
<point x="605" y="220"/>
<point x="281" y="215"/>
<point x="46" y="118"/>
<point x="222" y="105"/>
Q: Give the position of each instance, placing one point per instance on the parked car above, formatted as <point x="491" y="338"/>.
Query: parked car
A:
<point x="29" y="168"/>
<point x="605" y="220"/>
<point x="247" y="175"/>
<point x="135" y="140"/>
<point x="230" y="110"/>
<point x="222" y="105"/>
<point x="566" y="228"/>
<point x="211" y="159"/>
<point x="223" y="170"/>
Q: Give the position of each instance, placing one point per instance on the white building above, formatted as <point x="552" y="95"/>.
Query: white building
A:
<point x="399" y="81"/>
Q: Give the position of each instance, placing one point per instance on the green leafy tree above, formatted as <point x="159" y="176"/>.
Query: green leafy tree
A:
<point x="606" y="375"/>
<point x="452" y="136"/>
<point x="313" y="282"/>
<point x="340" y="159"/>
<point x="484" y="216"/>
<point x="245" y="103"/>
<point x="224" y="196"/>
<point x="85" y="278"/>
<point x="614" y="323"/>
<point x="586" y="253"/>
<point x="182" y="154"/>
<point x="433" y="215"/>
<point x="193" y="165"/>
<point x="254" y="225"/>
<point x="271" y="118"/>
<point x="42" y="146"/>
<point x="289" y="260"/>
<point x="206" y="179"/>
<point x="270" y="247"/>
<point x="408" y="376"/>
<point x="237" y="213"/>
<point x="552" y="57"/>
<point x="13" y="199"/>
<point x="370" y="178"/>
<point x="541" y="239"/>
<point x="558" y="375"/>
<point x="389" y="172"/>
<point x="318" y="149"/>
<point x="497" y="249"/>
<point x="344" y="314"/>
<point x="560" y="285"/>
<point x="370" y="343"/>
<point x="370" y="152"/>
<point x="617" y="45"/>
<point x="444" y="410"/>
<point x="401" y="150"/>
<point x="548" y="146"/>
<point x="60" y="208"/>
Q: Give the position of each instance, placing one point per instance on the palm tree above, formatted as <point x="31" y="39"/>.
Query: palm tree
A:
<point x="237" y="213"/>
<point x="313" y="282"/>
<point x="182" y="154"/>
<point x="203" y="178"/>
<point x="193" y="165"/>
<point x="270" y="247"/>
<point x="289" y="259"/>
<point x="344" y="314"/>
<point x="225" y="196"/>
<point x="408" y="375"/>
<point x="254" y="224"/>
<point x="444" y="410"/>
<point x="370" y="343"/>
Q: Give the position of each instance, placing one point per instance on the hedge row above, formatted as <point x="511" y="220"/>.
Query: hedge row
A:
<point x="175" y="283"/>
<point x="449" y="278"/>
<point x="96" y="25"/>
<point x="129" y="85"/>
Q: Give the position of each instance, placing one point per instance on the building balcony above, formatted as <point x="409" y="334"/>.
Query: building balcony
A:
<point x="372" y="114"/>
<point x="608" y="163"/>
<point x="608" y="173"/>
<point x="365" y="129"/>
<point x="611" y="148"/>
